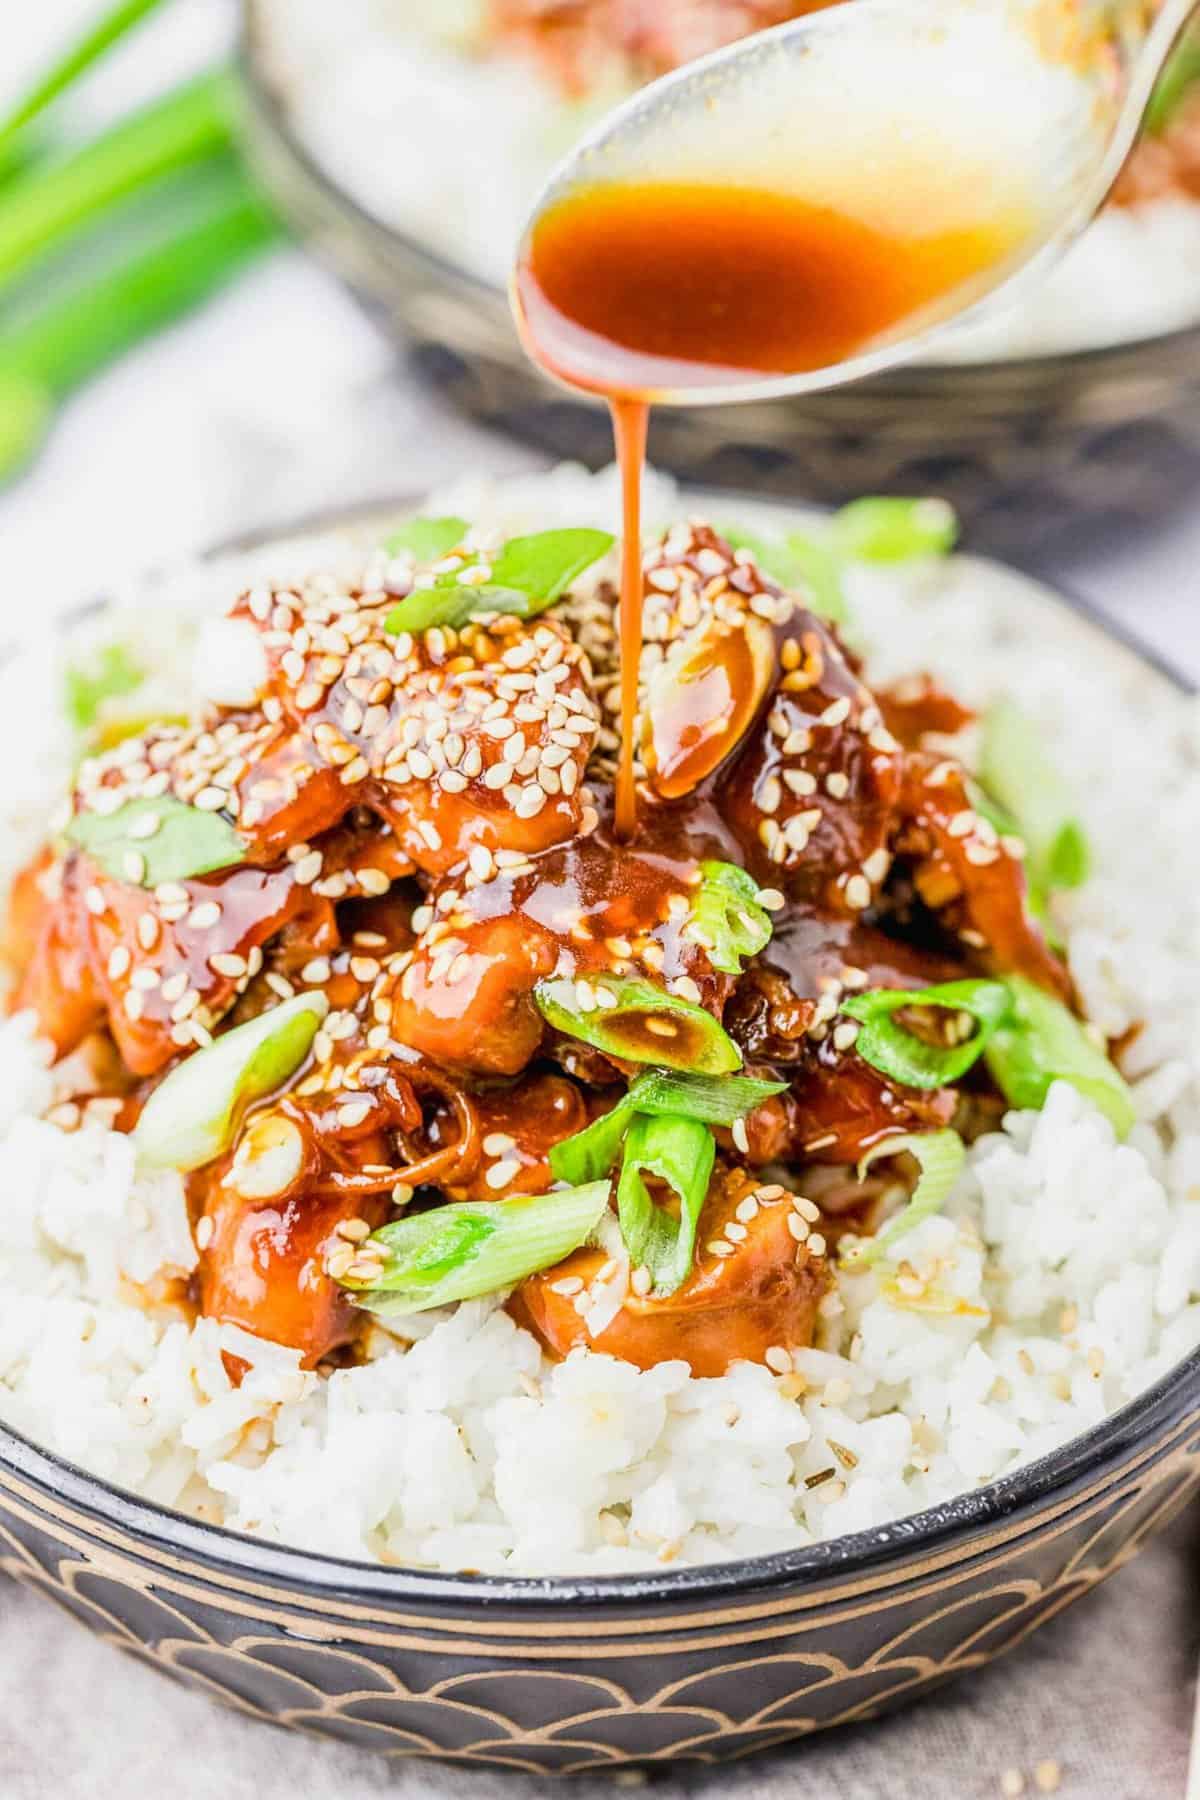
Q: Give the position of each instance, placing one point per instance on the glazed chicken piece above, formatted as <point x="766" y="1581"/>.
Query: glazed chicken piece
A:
<point x="753" y="695"/>
<point x="159" y="968"/>
<point x="475" y="739"/>
<point x="516" y="1127"/>
<point x="747" y="1294"/>
<point x="971" y="878"/>
<point x="751" y="691"/>
<point x="919" y="707"/>
<point x="45" y="946"/>
<point x="272" y="1214"/>
<point x="590" y="908"/>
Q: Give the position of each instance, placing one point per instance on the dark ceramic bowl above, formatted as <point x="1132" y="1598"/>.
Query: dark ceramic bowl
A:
<point x="564" y="1675"/>
<point x="1028" y="450"/>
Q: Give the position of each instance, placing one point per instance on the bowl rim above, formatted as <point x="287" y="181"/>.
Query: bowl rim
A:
<point x="271" y="106"/>
<point x="933" y="1530"/>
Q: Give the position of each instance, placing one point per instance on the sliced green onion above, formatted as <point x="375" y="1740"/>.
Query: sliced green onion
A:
<point x="799" y="563"/>
<point x="451" y="607"/>
<point x="472" y="1248"/>
<point x="194" y="1115"/>
<point x="941" y="1156"/>
<point x="888" y="530"/>
<point x="527" y="575"/>
<point x="679" y="1152"/>
<point x="1174" y="85"/>
<point x="727" y="917"/>
<point x="884" y="1043"/>
<point x="637" y="1022"/>
<point x="712" y="1099"/>
<point x="427" y="540"/>
<point x="545" y="564"/>
<point x="110" y="673"/>
<point x="1042" y="1042"/>
<point x="183" y="841"/>
<point x="1017" y="769"/>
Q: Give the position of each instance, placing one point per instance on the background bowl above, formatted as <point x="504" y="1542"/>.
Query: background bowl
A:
<point x="1027" y="450"/>
<point x="706" y="1663"/>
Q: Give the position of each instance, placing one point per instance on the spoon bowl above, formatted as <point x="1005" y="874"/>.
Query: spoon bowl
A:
<point x="914" y="122"/>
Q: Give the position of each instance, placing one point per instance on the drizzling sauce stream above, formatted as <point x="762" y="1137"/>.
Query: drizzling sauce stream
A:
<point x="635" y="290"/>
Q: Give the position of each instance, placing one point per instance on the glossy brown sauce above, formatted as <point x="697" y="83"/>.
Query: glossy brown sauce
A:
<point x="633" y="290"/>
<point x="631" y="420"/>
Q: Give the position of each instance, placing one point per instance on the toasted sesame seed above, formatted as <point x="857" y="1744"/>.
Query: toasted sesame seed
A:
<point x="204" y="1233"/>
<point x="778" y="1359"/>
<point x="308" y="868"/>
<point x="226" y="962"/>
<point x="718" y="1247"/>
<point x="501" y="1173"/>
<point x="858" y="892"/>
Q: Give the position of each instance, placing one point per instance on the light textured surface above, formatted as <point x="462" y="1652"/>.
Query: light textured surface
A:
<point x="278" y="400"/>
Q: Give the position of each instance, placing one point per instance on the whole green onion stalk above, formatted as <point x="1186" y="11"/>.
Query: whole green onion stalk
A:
<point x="71" y="62"/>
<point x="45" y="207"/>
<point x="45" y="358"/>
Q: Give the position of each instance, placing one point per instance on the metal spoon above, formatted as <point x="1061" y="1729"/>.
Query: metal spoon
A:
<point x="895" y="110"/>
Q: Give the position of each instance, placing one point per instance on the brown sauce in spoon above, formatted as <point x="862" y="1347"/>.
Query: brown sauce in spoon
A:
<point x="636" y="290"/>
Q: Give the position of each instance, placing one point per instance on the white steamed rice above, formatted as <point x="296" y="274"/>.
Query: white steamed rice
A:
<point x="462" y="1446"/>
<point x="452" y="149"/>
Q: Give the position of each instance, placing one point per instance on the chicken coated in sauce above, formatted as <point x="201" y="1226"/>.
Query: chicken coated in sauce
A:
<point x="426" y="830"/>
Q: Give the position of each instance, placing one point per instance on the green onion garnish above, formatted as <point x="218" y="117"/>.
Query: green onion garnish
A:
<point x="637" y="1022"/>
<point x="110" y="673"/>
<point x="799" y="563"/>
<point x="427" y="540"/>
<point x="472" y="1248"/>
<point x="727" y="918"/>
<point x="1042" y="1042"/>
<point x="1174" y="85"/>
<point x="891" y="530"/>
<point x="527" y="575"/>
<point x="183" y="841"/>
<point x="1017" y="770"/>
<point x="679" y="1152"/>
<point x="451" y="607"/>
<point x="941" y="1156"/>
<point x="712" y="1099"/>
<point x="902" y="1056"/>
<point x="544" y="565"/>
<point x="194" y="1115"/>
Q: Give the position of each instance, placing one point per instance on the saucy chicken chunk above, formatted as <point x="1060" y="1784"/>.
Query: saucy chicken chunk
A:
<point x="467" y="997"/>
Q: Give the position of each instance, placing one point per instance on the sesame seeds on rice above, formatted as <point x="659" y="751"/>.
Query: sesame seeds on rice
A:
<point x="1061" y="1278"/>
